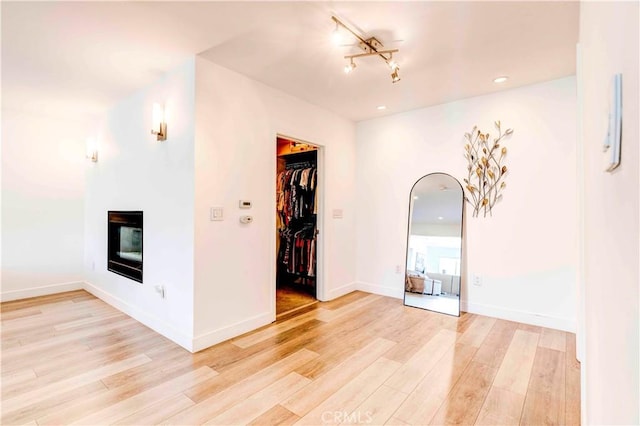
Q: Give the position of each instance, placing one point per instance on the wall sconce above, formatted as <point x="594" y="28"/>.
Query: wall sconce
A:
<point x="159" y="124"/>
<point x="92" y="150"/>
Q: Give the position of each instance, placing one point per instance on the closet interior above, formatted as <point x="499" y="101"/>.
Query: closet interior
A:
<point x="296" y="223"/>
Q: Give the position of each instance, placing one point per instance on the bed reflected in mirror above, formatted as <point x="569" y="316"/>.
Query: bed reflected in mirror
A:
<point x="434" y="244"/>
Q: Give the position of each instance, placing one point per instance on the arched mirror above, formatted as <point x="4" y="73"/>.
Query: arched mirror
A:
<point x="434" y="244"/>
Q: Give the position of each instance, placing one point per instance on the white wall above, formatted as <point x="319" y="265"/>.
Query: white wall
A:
<point x="237" y="120"/>
<point x="136" y="172"/>
<point x="42" y="204"/>
<point x="609" y="43"/>
<point x="526" y="253"/>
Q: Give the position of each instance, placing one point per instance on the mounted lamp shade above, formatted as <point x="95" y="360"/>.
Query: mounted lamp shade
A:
<point x="159" y="124"/>
<point x="92" y="150"/>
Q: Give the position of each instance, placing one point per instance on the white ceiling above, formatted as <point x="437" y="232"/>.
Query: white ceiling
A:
<point x="76" y="58"/>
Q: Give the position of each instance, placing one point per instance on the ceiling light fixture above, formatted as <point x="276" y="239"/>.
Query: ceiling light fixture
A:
<point x="440" y="217"/>
<point x="298" y="146"/>
<point x="381" y="107"/>
<point x="500" y="79"/>
<point x="371" y="47"/>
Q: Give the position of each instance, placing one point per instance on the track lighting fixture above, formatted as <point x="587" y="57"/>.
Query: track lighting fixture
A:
<point x="370" y="46"/>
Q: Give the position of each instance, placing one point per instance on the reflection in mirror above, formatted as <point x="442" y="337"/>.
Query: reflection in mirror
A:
<point x="434" y="245"/>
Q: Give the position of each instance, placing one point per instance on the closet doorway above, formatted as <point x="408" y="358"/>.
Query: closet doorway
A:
<point x="298" y="203"/>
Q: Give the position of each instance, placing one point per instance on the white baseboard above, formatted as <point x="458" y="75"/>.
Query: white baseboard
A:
<point x="151" y="321"/>
<point x="382" y="290"/>
<point x="44" y="290"/>
<point x="214" y="337"/>
<point x="340" y="291"/>
<point x="564" y="324"/>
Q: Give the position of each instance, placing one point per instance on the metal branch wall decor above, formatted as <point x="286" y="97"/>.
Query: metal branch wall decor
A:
<point x="486" y="171"/>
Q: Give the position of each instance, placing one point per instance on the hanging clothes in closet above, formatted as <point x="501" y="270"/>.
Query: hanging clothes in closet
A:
<point x="297" y="209"/>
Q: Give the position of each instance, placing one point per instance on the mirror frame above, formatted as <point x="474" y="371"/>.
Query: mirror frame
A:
<point x="406" y="251"/>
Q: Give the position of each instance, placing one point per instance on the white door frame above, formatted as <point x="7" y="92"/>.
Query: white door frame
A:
<point x="320" y="187"/>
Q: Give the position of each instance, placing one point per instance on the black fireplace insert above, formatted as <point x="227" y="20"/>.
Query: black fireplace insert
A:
<point x="125" y="244"/>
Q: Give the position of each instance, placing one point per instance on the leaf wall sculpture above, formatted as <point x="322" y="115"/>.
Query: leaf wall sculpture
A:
<point x="486" y="172"/>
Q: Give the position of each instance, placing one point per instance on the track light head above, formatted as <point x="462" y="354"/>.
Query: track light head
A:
<point x="336" y="36"/>
<point x="350" y="67"/>
<point x="393" y="65"/>
<point x="394" y="76"/>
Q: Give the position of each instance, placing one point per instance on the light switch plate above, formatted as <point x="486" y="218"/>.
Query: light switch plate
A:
<point x="614" y="131"/>
<point x="217" y="213"/>
<point x="477" y="280"/>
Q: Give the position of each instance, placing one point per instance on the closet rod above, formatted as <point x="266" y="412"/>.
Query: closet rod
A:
<point x="300" y="165"/>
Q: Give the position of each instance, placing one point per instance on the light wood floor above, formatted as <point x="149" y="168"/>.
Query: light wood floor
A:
<point x="70" y="358"/>
<point x="290" y="298"/>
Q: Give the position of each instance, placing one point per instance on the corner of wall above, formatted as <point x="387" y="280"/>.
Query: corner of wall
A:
<point x="525" y="261"/>
<point x="248" y="159"/>
<point x="221" y="334"/>
<point x="334" y="293"/>
<point x="557" y="323"/>
<point x="156" y="324"/>
<point x="382" y="290"/>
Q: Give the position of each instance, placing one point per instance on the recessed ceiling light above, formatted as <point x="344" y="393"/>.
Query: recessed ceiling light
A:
<point x="381" y="107"/>
<point x="415" y="197"/>
<point x="440" y="217"/>
<point x="500" y="79"/>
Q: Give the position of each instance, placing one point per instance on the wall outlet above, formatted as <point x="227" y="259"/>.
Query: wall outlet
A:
<point x="477" y="280"/>
<point x="93" y="265"/>
<point x="160" y="290"/>
<point x="398" y="270"/>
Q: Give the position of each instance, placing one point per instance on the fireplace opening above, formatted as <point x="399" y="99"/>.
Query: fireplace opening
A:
<point x="125" y="244"/>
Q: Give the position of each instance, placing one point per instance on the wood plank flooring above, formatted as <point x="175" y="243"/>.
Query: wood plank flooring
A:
<point x="360" y="359"/>
<point x="290" y="298"/>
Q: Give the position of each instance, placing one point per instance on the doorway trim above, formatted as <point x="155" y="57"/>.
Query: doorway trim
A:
<point x="320" y="223"/>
